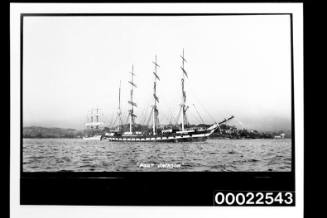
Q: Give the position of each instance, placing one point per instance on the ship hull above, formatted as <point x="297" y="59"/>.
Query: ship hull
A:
<point x="159" y="138"/>
<point x="93" y="138"/>
<point x="190" y="135"/>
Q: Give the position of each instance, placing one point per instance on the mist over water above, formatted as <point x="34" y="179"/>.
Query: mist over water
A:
<point x="76" y="155"/>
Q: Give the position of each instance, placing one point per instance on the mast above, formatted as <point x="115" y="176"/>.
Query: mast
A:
<point x="183" y="106"/>
<point x="155" y="119"/>
<point x="98" y="118"/>
<point x="97" y="115"/>
<point x="131" y="111"/>
<point x="119" y="109"/>
<point x="92" y="117"/>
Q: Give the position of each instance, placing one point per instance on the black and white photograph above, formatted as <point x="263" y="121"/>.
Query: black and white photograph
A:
<point x="179" y="106"/>
<point x="157" y="93"/>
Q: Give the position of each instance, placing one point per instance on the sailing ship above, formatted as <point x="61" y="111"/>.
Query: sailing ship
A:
<point x="180" y="134"/>
<point x="94" y="125"/>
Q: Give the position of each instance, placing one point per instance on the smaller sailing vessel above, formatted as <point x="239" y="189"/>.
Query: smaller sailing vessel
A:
<point x="94" y="125"/>
<point x="177" y="134"/>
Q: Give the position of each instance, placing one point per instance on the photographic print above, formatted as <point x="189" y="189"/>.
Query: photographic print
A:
<point x="156" y="105"/>
<point x="157" y="93"/>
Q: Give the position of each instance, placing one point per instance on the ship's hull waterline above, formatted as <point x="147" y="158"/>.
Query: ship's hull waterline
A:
<point x="159" y="138"/>
<point x="180" y="136"/>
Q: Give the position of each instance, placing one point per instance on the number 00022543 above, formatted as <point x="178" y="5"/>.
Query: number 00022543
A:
<point x="248" y="198"/>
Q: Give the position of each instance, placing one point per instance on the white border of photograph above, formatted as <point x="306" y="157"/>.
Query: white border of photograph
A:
<point x="17" y="210"/>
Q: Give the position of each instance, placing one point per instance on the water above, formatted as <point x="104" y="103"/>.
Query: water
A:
<point x="78" y="155"/>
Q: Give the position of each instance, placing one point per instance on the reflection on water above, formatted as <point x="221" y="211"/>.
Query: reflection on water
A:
<point x="211" y="155"/>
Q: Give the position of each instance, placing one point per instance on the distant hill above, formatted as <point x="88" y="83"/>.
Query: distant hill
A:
<point x="43" y="132"/>
<point x="228" y="131"/>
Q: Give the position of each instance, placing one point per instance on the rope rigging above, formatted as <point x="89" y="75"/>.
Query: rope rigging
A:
<point x="198" y="114"/>
<point x="148" y="121"/>
<point x="181" y="118"/>
<point x="204" y="109"/>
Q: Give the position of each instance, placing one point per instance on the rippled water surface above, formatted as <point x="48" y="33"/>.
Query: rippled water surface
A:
<point x="211" y="155"/>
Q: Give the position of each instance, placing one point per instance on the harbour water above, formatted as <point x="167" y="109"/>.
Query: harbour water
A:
<point x="77" y="155"/>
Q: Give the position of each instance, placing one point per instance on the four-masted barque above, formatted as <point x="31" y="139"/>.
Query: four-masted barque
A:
<point x="156" y="135"/>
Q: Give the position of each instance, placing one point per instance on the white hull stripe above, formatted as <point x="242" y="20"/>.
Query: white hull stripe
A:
<point x="165" y="138"/>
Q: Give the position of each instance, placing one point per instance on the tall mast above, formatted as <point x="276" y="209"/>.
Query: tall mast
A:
<point x="119" y="109"/>
<point x="98" y="118"/>
<point x="92" y="117"/>
<point x="97" y="115"/>
<point x="131" y="111"/>
<point x="155" y="119"/>
<point x="183" y="106"/>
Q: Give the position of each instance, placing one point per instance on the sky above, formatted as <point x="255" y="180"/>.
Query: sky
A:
<point x="237" y="65"/>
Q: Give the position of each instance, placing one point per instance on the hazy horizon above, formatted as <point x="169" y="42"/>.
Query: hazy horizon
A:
<point x="237" y="65"/>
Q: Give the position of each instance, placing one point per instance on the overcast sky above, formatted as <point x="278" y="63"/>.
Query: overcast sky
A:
<point x="237" y="65"/>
